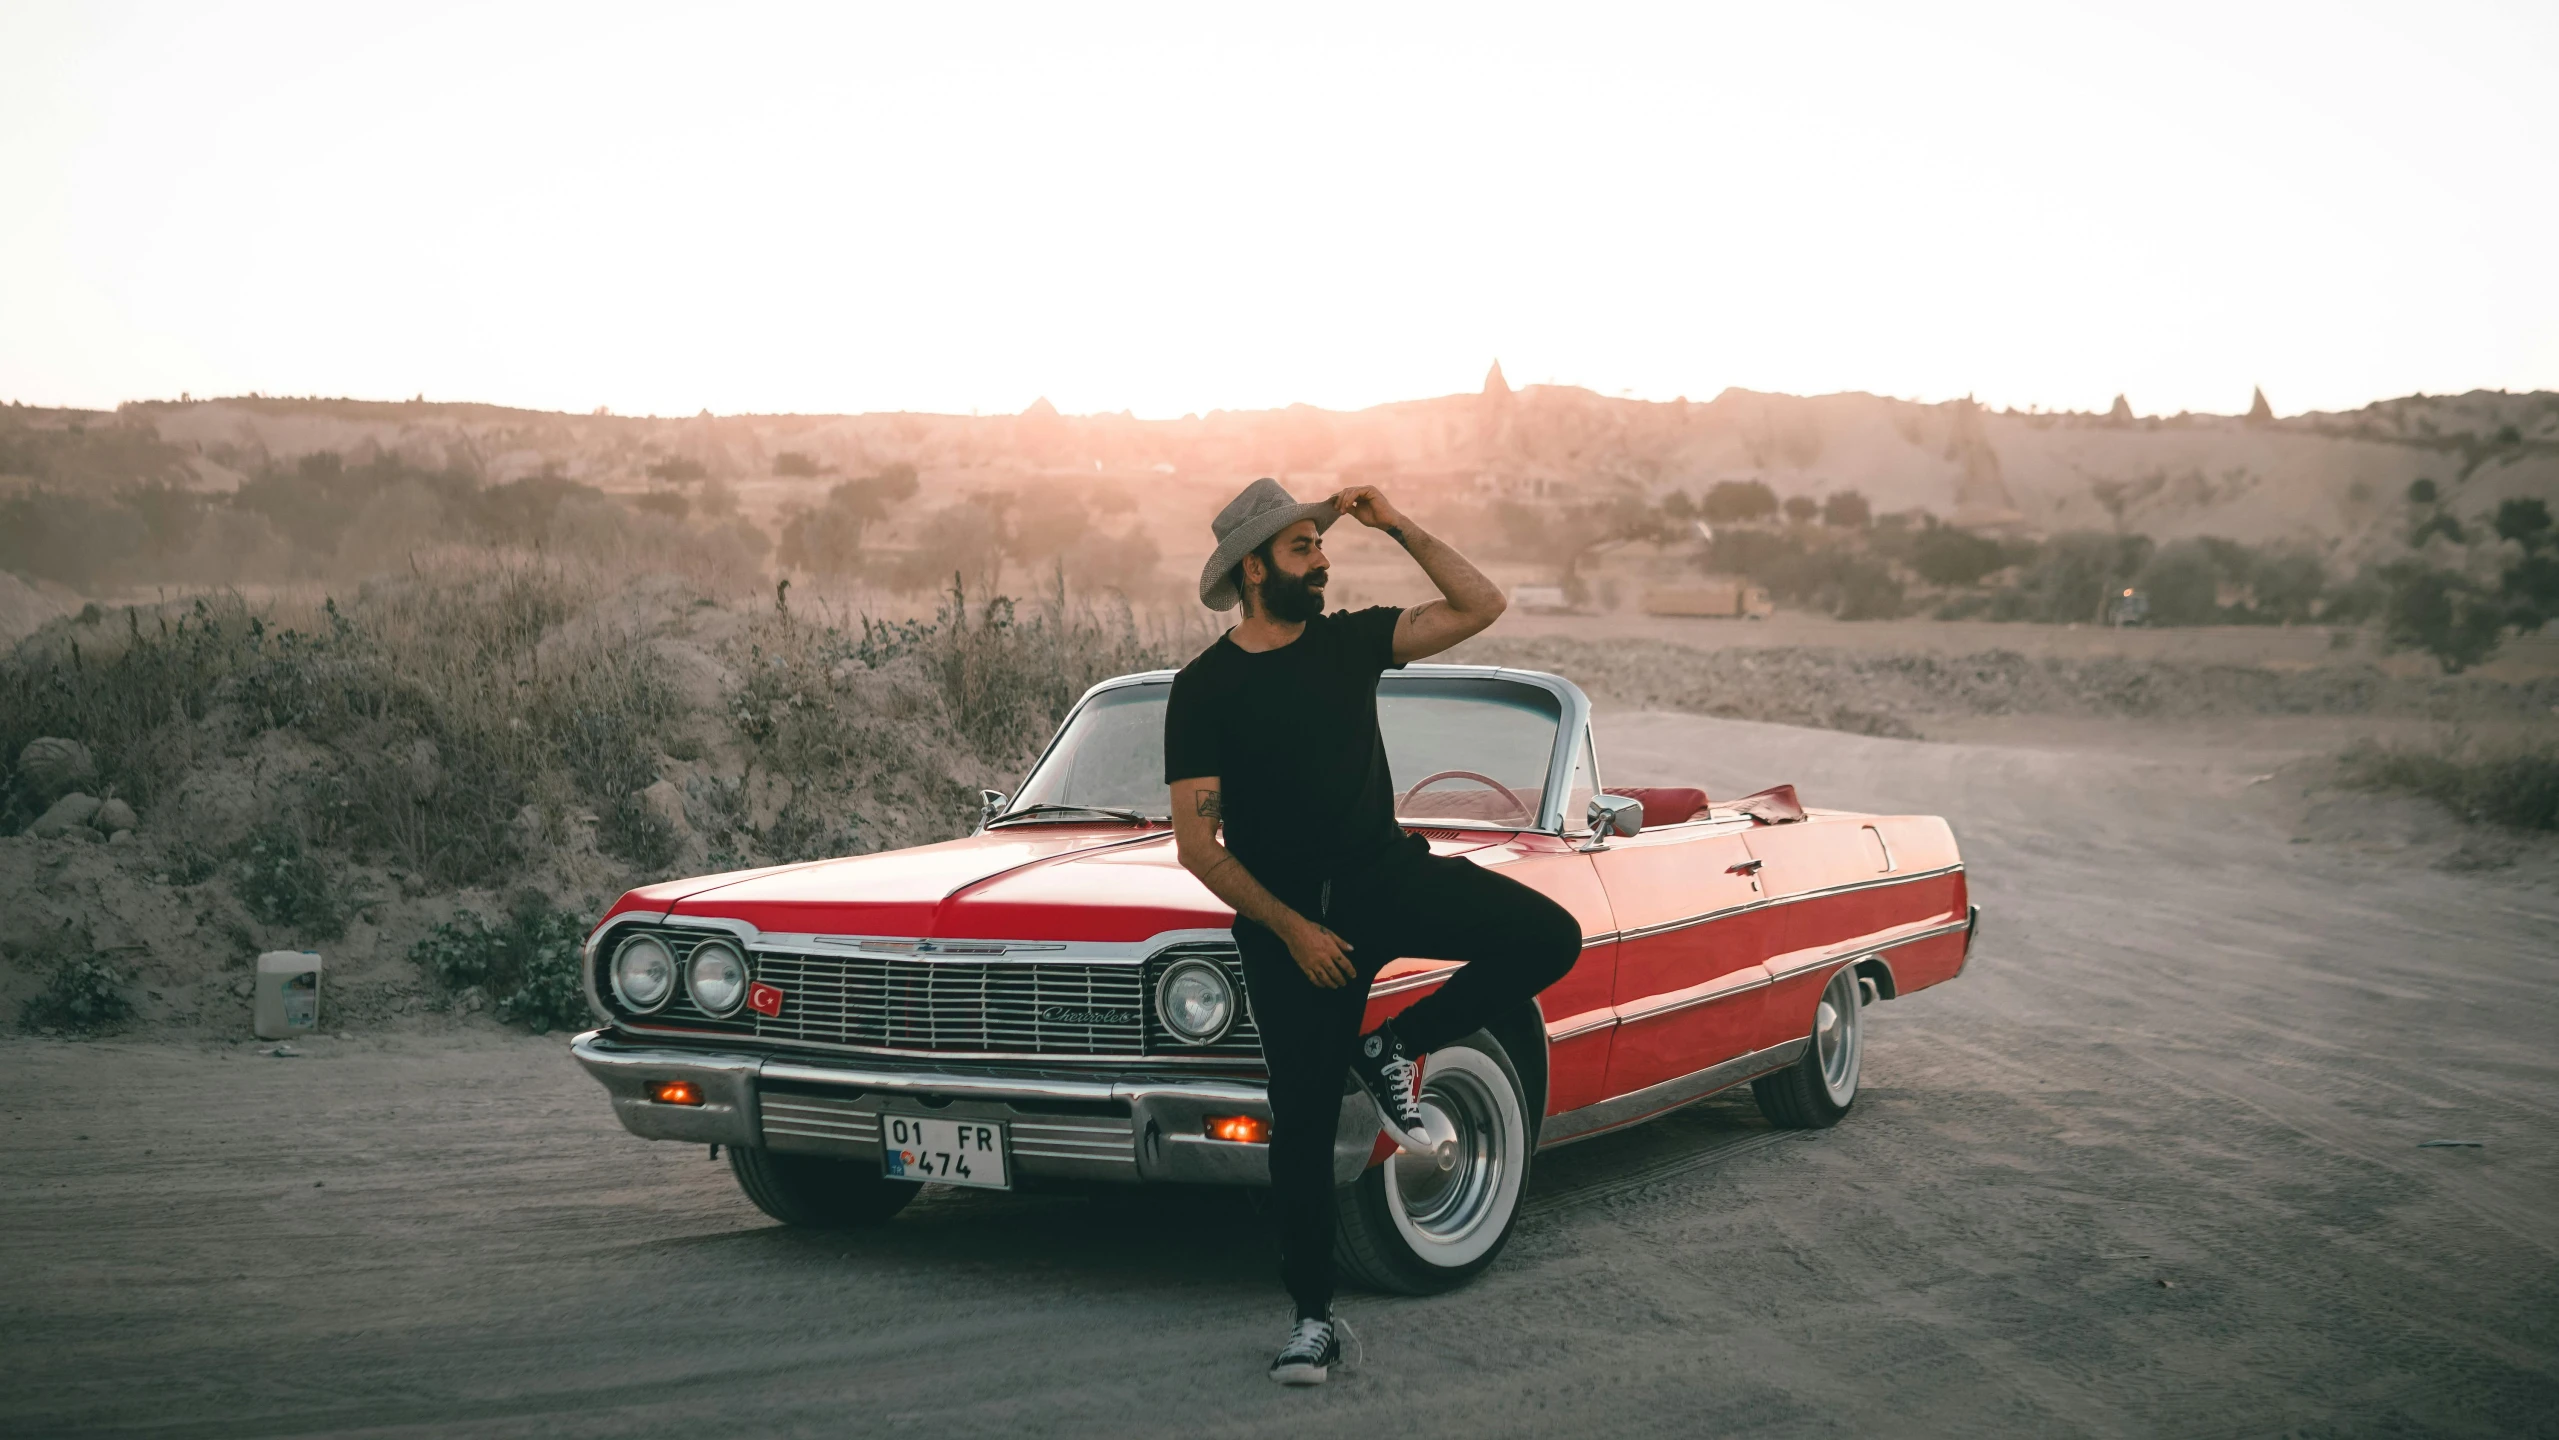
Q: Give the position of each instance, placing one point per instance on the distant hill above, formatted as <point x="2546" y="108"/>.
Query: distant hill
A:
<point x="2331" y="478"/>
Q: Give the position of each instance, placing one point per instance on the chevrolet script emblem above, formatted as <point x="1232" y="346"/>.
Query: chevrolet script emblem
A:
<point x="1068" y="1015"/>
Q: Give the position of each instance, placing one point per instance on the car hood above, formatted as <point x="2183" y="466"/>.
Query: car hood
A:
<point x="1024" y="882"/>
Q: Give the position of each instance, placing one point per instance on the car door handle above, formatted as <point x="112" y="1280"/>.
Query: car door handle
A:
<point x="1747" y="867"/>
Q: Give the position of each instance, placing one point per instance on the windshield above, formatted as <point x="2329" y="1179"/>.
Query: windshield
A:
<point x="1461" y="749"/>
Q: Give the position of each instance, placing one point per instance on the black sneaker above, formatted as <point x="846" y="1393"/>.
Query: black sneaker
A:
<point x="1310" y="1354"/>
<point x="1393" y="1079"/>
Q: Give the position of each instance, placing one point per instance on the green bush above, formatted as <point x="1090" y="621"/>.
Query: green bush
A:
<point x="2441" y="613"/>
<point x="280" y="881"/>
<point x="81" y="997"/>
<point x="2517" y="788"/>
<point x="527" y="964"/>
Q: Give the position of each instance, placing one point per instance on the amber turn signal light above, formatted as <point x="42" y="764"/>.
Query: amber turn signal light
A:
<point x="676" y="1092"/>
<point x="1243" y="1128"/>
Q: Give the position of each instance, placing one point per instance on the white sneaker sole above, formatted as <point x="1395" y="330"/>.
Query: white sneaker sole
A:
<point x="1301" y="1374"/>
<point x="1408" y="1142"/>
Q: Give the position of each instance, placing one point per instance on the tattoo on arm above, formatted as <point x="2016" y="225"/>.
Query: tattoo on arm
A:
<point x="1397" y="531"/>
<point x="1210" y="803"/>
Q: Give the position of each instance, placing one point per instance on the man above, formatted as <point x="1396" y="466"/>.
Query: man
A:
<point x="1272" y="732"/>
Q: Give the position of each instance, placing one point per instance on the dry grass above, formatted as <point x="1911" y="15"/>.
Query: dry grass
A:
<point x="497" y="722"/>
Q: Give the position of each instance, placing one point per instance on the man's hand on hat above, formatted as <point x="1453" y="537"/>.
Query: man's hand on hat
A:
<point x="1369" y="506"/>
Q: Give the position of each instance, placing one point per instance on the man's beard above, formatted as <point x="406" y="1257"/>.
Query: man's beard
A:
<point x="1292" y="599"/>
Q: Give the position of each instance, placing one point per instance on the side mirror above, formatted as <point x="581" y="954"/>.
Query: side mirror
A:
<point x="990" y="803"/>
<point x="1614" y="815"/>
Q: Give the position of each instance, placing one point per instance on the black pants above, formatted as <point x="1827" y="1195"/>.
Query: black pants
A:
<point x="1515" y="942"/>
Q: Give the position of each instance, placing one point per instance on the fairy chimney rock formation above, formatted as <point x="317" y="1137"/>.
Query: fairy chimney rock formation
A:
<point x="2121" y="414"/>
<point x="2259" y="412"/>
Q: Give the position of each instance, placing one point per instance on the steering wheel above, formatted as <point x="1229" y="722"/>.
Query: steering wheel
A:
<point x="1527" y="817"/>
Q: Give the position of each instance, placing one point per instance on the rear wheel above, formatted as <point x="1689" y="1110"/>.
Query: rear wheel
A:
<point x="1815" y="1092"/>
<point x="1411" y="1227"/>
<point x="818" y="1193"/>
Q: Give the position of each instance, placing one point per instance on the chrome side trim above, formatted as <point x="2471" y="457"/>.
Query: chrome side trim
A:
<point x="1582" y="1024"/>
<point x="1866" y="950"/>
<point x="1688" y="999"/>
<point x="1653" y="1100"/>
<point x="1645" y="932"/>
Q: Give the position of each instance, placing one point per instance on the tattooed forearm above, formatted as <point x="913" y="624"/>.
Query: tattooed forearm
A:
<point x="1211" y="804"/>
<point x="1397" y="531"/>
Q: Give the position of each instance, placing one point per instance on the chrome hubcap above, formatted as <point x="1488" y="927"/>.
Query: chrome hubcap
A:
<point x="1448" y="1194"/>
<point x="1836" y="1037"/>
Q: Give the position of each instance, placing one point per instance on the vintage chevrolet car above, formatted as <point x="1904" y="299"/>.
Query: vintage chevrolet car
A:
<point x="1055" y="1001"/>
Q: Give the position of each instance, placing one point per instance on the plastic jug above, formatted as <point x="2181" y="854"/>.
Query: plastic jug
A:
<point x="288" y="994"/>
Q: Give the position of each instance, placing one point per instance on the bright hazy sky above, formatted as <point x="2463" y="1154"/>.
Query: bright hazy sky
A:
<point x="838" y="208"/>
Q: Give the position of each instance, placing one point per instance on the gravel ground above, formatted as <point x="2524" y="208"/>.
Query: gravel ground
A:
<point x="2155" y="1165"/>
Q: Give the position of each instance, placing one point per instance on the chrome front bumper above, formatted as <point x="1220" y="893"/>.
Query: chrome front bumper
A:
<point x="1131" y="1129"/>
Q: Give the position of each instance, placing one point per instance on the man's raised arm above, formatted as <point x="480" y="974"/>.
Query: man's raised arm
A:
<point x="1323" y="955"/>
<point x="1472" y="600"/>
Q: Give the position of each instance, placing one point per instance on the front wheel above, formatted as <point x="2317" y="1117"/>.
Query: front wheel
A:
<point x="814" y="1192"/>
<point x="1815" y="1092"/>
<point x="1411" y="1227"/>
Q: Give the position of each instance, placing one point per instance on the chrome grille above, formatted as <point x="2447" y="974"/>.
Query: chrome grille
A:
<point x="1009" y="1007"/>
<point x="951" y="1004"/>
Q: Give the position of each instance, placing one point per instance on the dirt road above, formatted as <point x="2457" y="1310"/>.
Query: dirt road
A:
<point x="2155" y="1166"/>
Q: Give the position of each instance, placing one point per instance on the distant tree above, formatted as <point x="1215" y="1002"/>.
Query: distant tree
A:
<point x="2422" y="491"/>
<point x="2524" y="520"/>
<point x="2183" y="584"/>
<point x="1677" y="507"/>
<point x="827" y="540"/>
<point x="1738" y="500"/>
<point x="2289" y="583"/>
<point x="678" y="470"/>
<point x="2439" y="612"/>
<point x="1847" y="510"/>
<point x="794" y="464"/>
<point x="1802" y="509"/>
<point x="2530" y="586"/>
<point x="1944" y="555"/>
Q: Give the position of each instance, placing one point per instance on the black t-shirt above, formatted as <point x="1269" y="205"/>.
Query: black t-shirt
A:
<point x="1291" y="734"/>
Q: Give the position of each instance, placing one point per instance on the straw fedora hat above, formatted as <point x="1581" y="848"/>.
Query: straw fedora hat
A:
<point x="1262" y="511"/>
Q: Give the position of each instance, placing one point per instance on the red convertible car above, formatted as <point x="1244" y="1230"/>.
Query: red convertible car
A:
<point x="1054" y="1000"/>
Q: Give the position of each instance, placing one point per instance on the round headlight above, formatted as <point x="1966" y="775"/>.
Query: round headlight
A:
<point x="716" y="977"/>
<point x="643" y="973"/>
<point x="1196" y="1001"/>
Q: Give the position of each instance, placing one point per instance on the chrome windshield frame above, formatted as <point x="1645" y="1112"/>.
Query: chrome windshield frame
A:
<point x="1571" y="723"/>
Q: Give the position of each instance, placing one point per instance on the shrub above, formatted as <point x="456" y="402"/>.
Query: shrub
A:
<point x="1738" y="500"/>
<point x="528" y="964"/>
<point x="1847" y="510"/>
<point x="2440" y="612"/>
<point x="80" y="997"/>
<point x="2071" y="577"/>
<point x="281" y="882"/>
<point x="82" y="993"/>
<point x="2516" y="788"/>
<point x="1944" y="555"/>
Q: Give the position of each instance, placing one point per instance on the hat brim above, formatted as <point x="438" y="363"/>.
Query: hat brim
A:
<point x="1217" y="578"/>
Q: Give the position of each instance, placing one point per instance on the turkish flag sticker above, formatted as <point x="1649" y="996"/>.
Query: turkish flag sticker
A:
<point x="764" y="999"/>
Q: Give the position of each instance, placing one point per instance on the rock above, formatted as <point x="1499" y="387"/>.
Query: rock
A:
<point x="116" y="815"/>
<point x="244" y="987"/>
<point x="72" y="809"/>
<point x="121" y="837"/>
<point x="84" y="835"/>
<point x="665" y="800"/>
<point x="52" y="766"/>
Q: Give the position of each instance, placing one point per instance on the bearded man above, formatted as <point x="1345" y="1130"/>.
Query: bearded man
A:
<point x="1272" y="734"/>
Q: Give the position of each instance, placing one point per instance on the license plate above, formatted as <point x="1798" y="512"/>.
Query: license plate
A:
<point x="948" y="1152"/>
